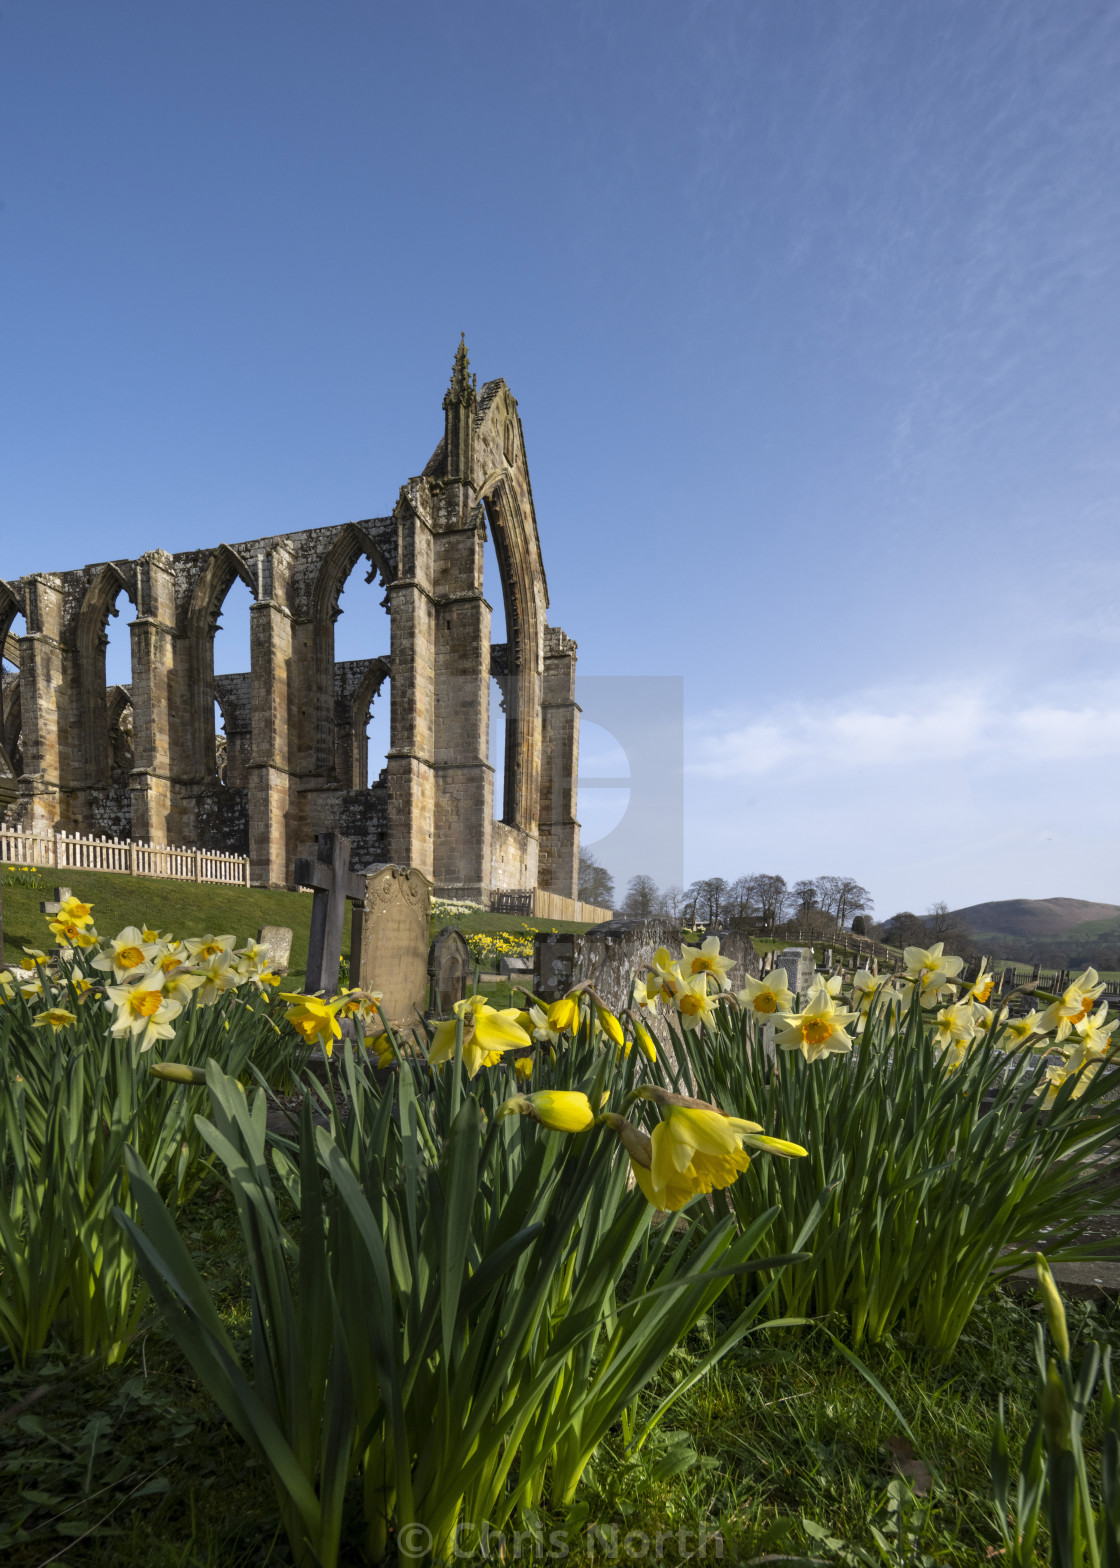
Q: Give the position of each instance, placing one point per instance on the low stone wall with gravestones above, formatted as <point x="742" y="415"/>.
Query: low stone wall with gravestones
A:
<point x="609" y="955"/>
<point x="222" y="819"/>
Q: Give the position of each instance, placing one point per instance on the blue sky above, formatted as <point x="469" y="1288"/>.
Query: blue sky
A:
<point x="811" y="309"/>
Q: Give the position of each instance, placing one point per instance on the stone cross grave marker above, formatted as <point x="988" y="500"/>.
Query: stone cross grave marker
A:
<point x="333" y="881"/>
<point x="450" y="969"/>
<point x="51" y="906"/>
<point x="277" y="943"/>
<point x="394" y="941"/>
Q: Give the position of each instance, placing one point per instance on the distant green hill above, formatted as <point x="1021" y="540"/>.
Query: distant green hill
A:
<point x="1040" y="918"/>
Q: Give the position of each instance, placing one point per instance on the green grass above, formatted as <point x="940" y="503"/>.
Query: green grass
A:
<point x="781" y="1430"/>
<point x="191" y="908"/>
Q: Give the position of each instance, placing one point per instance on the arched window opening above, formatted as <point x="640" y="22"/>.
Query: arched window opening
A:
<point x="232" y="687"/>
<point x="11" y="728"/>
<point x="501" y="680"/>
<point x="361" y="653"/>
<point x="116" y="639"/>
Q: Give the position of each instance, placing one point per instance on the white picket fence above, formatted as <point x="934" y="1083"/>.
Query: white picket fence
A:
<point x="75" y="852"/>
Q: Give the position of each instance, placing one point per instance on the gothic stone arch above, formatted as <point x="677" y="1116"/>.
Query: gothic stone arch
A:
<point x="297" y="713"/>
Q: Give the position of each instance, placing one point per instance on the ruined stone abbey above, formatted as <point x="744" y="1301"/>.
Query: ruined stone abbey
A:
<point x="141" y="760"/>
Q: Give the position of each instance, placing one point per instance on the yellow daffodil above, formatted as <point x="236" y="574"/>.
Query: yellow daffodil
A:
<point x="73" y="910"/>
<point x="34" y="956"/>
<point x="610" y="1025"/>
<point x="205" y="947"/>
<point x="127" y="954"/>
<point x="933" y="986"/>
<point x="523" y="1067"/>
<point x="981" y="988"/>
<point x="487" y="1033"/>
<point x="695" y="1004"/>
<point x="561" y="1110"/>
<point x="151" y="935"/>
<point x="701" y="1144"/>
<point x="141" y="1010"/>
<point x="771" y="995"/>
<point x="313" y="1018"/>
<point x="1082" y="1074"/>
<point x="1074" y="1004"/>
<point x="641" y="994"/>
<point x="920" y="962"/>
<point x="563" y="1016"/>
<point x="1093" y="1036"/>
<point x="31" y="990"/>
<point x="955" y="1026"/>
<point x="56" y="1018"/>
<point x="866" y="987"/>
<point x="180" y="983"/>
<point x="832" y="984"/>
<point x="819" y="1031"/>
<point x="81" y="984"/>
<point x="1016" y="1031"/>
<point x="217" y="975"/>
<point x="645" y="1042"/>
<point x="678" y="1191"/>
<point x="664" y="979"/>
<point x="706" y="960"/>
<point x="360" y="1004"/>
<point x="382" y="1044"/>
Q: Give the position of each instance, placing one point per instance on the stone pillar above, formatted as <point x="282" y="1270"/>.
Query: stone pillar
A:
<point x="272" y="825"/>
<point x="40" y="681"/>
<point x="465" y="780"/>
<point x="559" y="830"/>
<point x="153" y="696"/>
<point x="410" y="760"/>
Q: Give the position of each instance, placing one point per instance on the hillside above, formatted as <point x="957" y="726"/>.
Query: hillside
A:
<point x="192" y="908"/>
<point x="1036" y="917"/>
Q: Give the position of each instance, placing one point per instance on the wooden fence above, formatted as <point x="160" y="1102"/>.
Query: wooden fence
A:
<point x="75" y="852"/>
<point x="546" y="906"/>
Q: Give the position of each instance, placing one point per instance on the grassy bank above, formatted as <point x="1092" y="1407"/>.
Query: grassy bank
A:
<point x="191" y="908"/>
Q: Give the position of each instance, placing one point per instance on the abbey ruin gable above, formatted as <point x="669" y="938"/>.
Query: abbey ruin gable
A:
<point x="141" y="760"/>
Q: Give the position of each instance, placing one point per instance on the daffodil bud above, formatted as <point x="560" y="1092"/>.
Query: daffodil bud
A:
<point x="609" y="1024"/>
<point x="1055" y="1308"/>
<point x="1054" y="1409"/>
<point x="560" y="1110"/>
<point x="177" y="1072"/>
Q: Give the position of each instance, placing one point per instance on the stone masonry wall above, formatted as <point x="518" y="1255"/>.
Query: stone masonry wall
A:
<point x="141" y="758"/>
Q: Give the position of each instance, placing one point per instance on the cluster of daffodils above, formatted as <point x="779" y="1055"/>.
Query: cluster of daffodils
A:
<point x="488" y="948"/>
<point x="1073" y="1026"/>
<point x="694" y="1147"/>
<point x="317" y="1020"/>
<point x="143" y="977"/>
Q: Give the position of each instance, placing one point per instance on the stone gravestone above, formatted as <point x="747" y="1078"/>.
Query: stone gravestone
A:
<point x="517" y="970"/>
<point x="450" y="971"/>
<point x="334" y="883"/>
<point x="800" y="967"/>
<point x="277" y="943"/>
<point x="394" y="945"/>
<point x="553" y="964"/>
<point x="9" y="791"/>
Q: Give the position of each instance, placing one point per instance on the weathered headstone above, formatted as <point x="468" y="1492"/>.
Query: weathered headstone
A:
<point x="394" y="944"/>
<point x="450" y="969"/>
<point x="800" y="967"/>
<point x="553" y="964"/>
<point x="511" y="966"/>
<point x="277" y="943"/>
<point x="333" y="881"/>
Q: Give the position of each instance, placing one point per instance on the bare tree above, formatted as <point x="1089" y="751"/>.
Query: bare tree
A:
<point x="851" y="899"/>
<point x="740" y="901"/>
<point x="596" y="885"/>
<point x="642" y="897"/>
<point x="773" y="899"/>
<point x="670" y="901"/>
<point x="807" y="897"/>
<point x="705" y="897"/>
